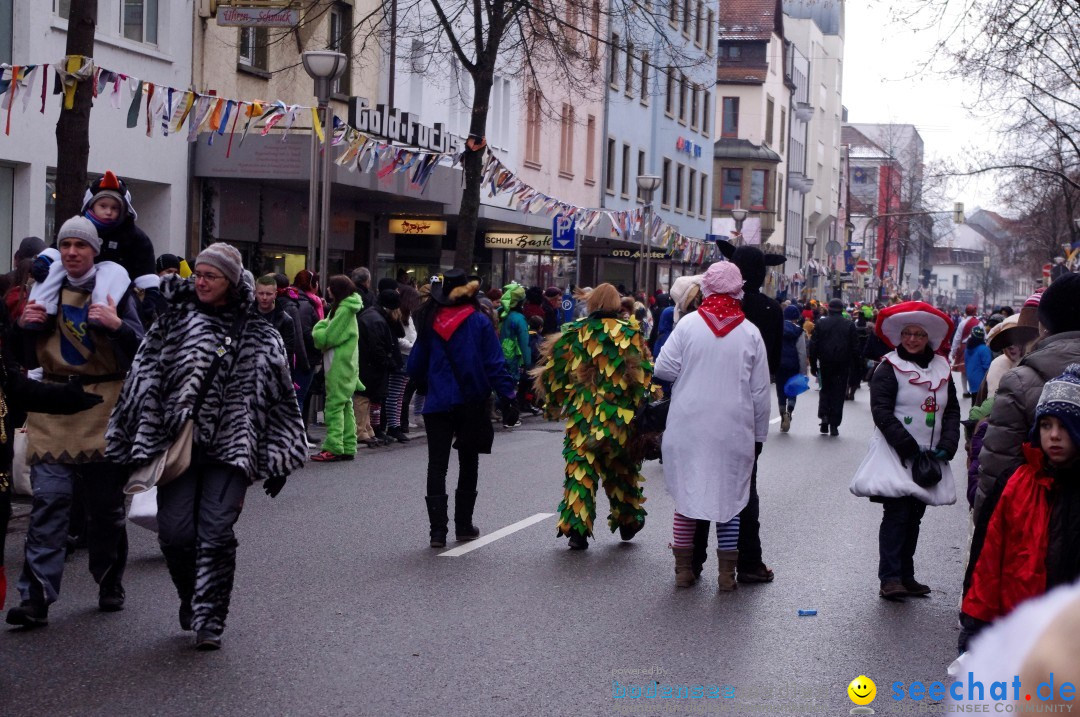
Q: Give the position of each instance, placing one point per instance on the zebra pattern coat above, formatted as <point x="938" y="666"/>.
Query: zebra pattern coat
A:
<point x="249" y="420"/>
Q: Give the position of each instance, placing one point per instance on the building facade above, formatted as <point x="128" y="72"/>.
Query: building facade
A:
<point x="145" y="39"/>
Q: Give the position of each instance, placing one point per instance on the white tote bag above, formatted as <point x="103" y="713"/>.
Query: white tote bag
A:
<point x="143" y="511"/>
<point x="20" y="470"/>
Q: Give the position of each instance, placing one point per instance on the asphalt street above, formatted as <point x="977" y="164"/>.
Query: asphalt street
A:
<point x="341" y="608"/>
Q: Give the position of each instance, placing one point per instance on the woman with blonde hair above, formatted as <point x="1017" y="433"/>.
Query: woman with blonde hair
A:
<point x="595" y="374"/>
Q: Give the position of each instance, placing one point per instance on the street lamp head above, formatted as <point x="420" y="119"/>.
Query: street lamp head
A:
<point x="324" y="64"/>
<point x="739" y="214"/>
<point x="810" y="240"/>
<point x="648" y="183"/>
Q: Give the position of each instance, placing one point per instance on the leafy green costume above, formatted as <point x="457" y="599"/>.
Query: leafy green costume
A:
<point x="595" y="375"/>
<point x="336" y="336"/>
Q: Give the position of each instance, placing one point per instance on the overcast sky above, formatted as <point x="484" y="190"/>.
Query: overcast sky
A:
<point x="884" y="81"/>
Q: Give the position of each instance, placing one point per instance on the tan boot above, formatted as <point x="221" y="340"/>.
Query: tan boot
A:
<point x="727" y="560"/>
<point x="684" y="568"/>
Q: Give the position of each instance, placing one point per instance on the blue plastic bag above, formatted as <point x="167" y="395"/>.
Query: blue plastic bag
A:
<point x="795" y="385"/>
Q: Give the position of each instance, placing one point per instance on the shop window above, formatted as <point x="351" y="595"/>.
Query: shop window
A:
<point x="341" y="29"/>
<point x="680" y="176"/>
<point x="253" y="48"/>
<point x="590" y="150"/>
<point x="769" y="109"/>
<point x="609" y="166"/>
<point x="139" y="20"/>
<point x="731" y="187"/>
<point x="759" y="179"/>
<point x="665" y="184"/>
<point x="566" y="148"/>
<point x="729" y="126"/>
<point x="624" y="185"/>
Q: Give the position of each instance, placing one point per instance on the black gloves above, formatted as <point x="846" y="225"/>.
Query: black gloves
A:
<point x="273" y="485"/>
<point x="78" y="400"/>
<point x="39" y="269"/>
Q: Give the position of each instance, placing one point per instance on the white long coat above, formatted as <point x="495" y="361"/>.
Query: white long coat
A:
<point x="719" y="408"/>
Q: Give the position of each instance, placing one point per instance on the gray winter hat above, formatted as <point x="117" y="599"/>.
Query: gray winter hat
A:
<point x="79" y="227"/>
<point x="224" y="257"/>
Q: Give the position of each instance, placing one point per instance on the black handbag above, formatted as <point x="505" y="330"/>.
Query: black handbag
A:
<point x="925" y="470"/>
<point x="651" y="416"/>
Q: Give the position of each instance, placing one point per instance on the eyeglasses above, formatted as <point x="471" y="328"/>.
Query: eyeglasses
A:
<point x="914" y="335"/>
<point x="203" y="276"/>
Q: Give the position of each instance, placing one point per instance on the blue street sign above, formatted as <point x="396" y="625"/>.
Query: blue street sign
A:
<point x="567" y="307"/>
<point x="563" y="234"/>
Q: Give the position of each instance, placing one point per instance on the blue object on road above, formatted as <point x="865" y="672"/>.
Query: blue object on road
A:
<point x="807" y="613"/>
<point x="795" y="385"/>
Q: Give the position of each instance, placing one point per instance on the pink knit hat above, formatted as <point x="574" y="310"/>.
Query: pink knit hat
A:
<point x="723" y="277"/>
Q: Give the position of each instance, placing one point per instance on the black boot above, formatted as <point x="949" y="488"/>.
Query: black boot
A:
<point x="436" y="510"/>
<point x="215" y="568"/>
<point x="463" y="510"/>
<point x="181" y="564"/>
<point x="398" y="435"/>
<point x="701" y="546"/>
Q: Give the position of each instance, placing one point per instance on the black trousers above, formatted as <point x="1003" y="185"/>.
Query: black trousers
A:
<point x="440" y="439"/>
<point x="898" y="537"/>
<point x="750" y="529"/>
<point x="834" y="379"/>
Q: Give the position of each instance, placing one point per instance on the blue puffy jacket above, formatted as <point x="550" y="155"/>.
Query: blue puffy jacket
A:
<point x="477" y="359"/>
<point x="977" y="358"/>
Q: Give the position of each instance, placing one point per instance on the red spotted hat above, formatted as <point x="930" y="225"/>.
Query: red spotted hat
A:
<point x="892" y="320"/>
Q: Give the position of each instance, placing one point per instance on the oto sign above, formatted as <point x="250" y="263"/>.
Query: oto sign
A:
<point x="862" y="266"/>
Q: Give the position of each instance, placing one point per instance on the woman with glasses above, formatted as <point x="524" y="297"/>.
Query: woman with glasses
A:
<point x="917" y="421"/>
<point x="208" y="361"/>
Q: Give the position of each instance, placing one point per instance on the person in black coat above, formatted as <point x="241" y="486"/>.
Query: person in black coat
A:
<point x="765" y="313"/>
<point x="379" y="356"/>
<point x="858" y="363"/>
<point x="267" y="307"/>
<point x="832" y="348"/>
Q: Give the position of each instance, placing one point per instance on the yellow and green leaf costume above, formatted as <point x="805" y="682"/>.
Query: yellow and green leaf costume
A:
<point x="595" y="374"/>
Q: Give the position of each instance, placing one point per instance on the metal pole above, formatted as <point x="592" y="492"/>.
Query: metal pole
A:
<point x="324" y="233"/>
<point x="313" y="205"/>
<point x="646" y="233"/>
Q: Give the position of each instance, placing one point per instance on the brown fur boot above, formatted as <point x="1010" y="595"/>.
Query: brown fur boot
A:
<point x="684" y="571"/>
<point x="727" y="559"/>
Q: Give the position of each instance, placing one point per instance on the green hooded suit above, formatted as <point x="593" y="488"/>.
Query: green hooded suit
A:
<point x="337" y="337"/>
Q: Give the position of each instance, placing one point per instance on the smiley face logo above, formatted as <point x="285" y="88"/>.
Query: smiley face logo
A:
<point x="862" y="690"/>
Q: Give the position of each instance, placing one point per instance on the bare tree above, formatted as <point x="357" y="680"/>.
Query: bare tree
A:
<point x="73" y="127"/>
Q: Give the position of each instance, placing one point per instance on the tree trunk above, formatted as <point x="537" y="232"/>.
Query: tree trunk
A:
<point x="73" y="128"/>
<point x="469" y="210"/>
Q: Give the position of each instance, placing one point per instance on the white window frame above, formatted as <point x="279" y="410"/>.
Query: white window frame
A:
<point x="157" y="21"/>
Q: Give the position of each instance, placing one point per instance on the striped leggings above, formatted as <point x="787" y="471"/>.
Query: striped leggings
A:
<point x="727" y="534"/>
<point x="392" y="404"/>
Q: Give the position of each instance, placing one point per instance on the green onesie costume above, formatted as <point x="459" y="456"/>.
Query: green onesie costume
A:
<point x="336" y="337"/>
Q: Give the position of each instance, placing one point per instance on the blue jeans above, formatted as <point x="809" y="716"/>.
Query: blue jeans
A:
<point x="46" y="538"/>
<point x="898" y="537"/>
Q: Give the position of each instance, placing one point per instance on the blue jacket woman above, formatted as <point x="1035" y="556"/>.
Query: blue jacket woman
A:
<point x="457" y="363"/>
<point x="977" y="358"/>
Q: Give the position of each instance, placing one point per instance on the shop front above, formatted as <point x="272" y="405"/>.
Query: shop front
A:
<point x="530" y="259"/>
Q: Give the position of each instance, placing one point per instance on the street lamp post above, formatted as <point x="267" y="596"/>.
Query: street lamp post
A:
<point x="647" y="185"/>
<point x="810" y="240"/>
<point x="323" y="66"/>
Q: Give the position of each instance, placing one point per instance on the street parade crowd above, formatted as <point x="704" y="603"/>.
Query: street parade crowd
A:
<point x="123" y="372"/>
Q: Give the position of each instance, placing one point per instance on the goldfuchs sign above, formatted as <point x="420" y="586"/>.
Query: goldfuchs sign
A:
<point x="228" y="16"/>
<point x="416" y="227"/>
<point x="522" y="242"/>
<point x="397" y="126"/>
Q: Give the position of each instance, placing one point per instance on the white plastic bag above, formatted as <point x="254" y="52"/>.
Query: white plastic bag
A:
<point x="143" y="511"/>
<point x="20" y="470"/>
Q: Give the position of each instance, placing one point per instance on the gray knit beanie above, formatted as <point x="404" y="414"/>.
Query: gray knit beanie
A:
<point x="79" y="227"/>
<point x="224" y="257"/>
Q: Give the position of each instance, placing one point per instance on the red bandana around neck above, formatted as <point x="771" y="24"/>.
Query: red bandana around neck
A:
<point x="722" y="313"/>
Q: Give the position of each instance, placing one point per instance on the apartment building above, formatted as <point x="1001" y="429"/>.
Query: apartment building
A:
<point x="145" y="39"/>
<point x="751" y="124"/>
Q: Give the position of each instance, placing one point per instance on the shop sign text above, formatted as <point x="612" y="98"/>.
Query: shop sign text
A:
<point x="397" y="126"/>
<point x="521" y="242"/>
<point x="257" y="17"/>
<point x="682" y="144"/>
<point x="635" y="254"/>
<point x="416" y="227"/>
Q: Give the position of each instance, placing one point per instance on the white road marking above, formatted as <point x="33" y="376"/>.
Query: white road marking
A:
<point x="492" y="537"/>
<point x="775" y="420"/>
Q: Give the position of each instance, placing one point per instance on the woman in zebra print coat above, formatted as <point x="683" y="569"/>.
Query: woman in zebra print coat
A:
<point x="248" y="427"/>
